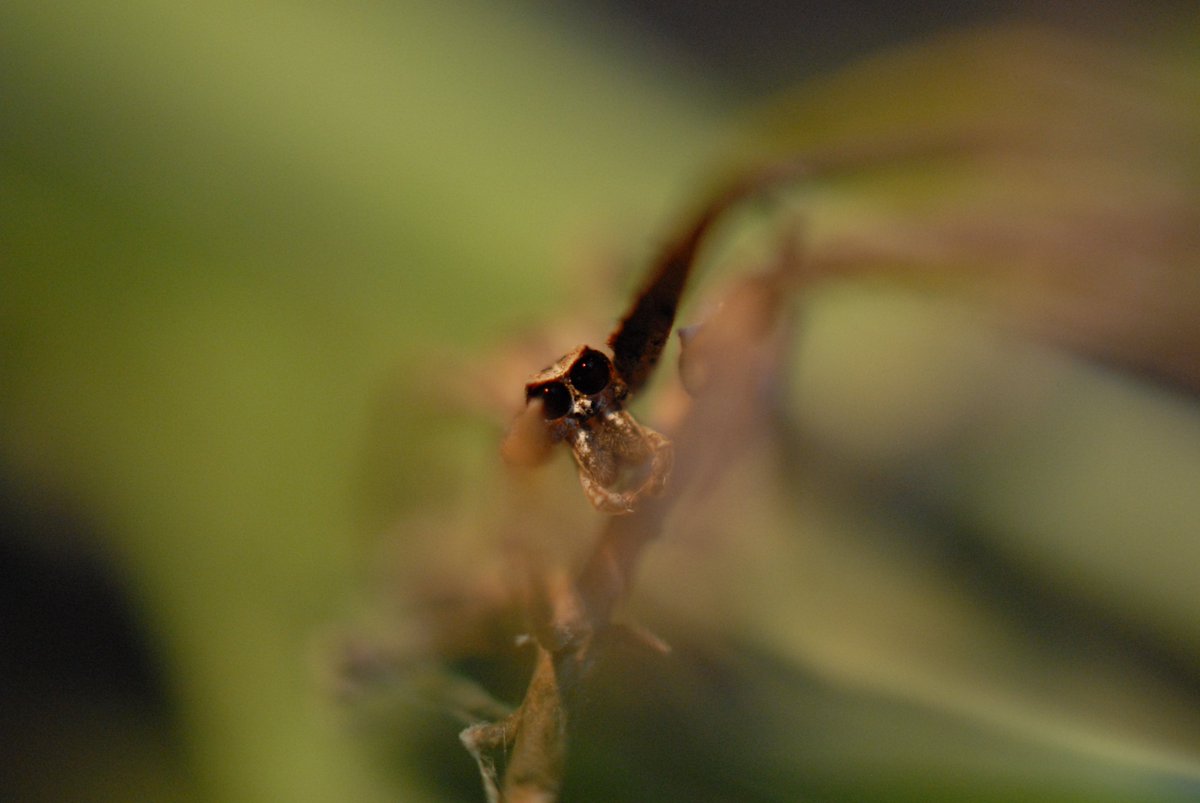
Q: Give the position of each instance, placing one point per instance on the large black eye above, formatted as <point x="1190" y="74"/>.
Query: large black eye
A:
<point x="556" y="399"/>
<point x="590" y="373"/>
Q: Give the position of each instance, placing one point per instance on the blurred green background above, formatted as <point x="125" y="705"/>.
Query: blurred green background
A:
<point x="251" y="257"/>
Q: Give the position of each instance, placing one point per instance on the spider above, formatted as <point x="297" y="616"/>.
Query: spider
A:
<point x="582" y="399"/>
<point x="583" y="395"/>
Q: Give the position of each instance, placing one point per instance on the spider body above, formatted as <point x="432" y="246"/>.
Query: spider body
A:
<point x="582" y="400"/>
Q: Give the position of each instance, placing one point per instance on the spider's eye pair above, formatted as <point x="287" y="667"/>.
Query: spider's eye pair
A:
<point x="588" y="375"/>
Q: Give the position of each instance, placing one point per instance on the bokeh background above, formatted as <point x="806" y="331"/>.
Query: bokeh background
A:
<point x="255" y="262"/>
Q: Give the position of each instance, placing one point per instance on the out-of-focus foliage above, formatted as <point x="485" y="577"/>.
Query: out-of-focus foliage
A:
<point x="233" y="237"/>
<point x="977" y="511"/>
<point x="257" y="258"/>
<point x="1054" y="177"/>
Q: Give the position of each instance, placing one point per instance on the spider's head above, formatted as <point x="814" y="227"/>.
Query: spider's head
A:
<point x="580" y="386"/>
